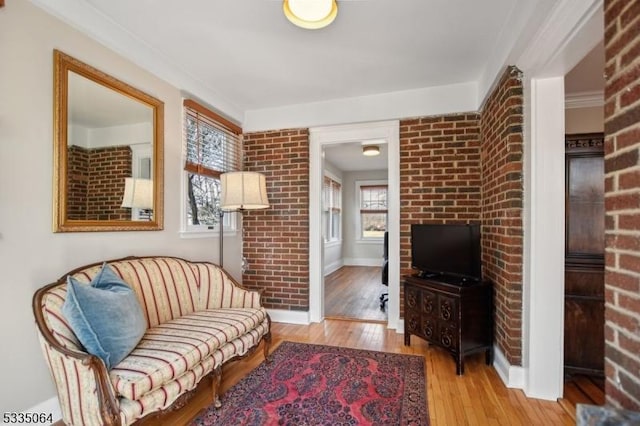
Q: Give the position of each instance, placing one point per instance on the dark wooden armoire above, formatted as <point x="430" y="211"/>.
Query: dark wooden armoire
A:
<point x="584" y="255"/>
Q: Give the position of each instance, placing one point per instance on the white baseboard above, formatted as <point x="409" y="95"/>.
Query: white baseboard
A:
<point x="332" y="267"/>
<point x="362" y="261"/>
<point x="289" y="317"/>
<point x="512" y="376"/>
<point x="50" y="406"/>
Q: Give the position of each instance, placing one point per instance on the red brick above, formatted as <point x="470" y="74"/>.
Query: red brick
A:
<point x="628" y="138"/>
<point x="629" y="222"/>
<point x="621" y="281"/>
<point x="624" y="160"/>
<point x="631" y="304"/>
<point x="276" y="239"/>
<point x="622" y="201"/>
<point x="629" y="180"/>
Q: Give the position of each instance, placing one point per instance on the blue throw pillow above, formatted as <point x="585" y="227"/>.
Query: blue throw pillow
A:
<point x="105" y="315"/>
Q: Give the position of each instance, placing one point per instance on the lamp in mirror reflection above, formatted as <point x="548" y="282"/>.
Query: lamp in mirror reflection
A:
<point x="241" y="191"/>
<point x="138" y="194"/>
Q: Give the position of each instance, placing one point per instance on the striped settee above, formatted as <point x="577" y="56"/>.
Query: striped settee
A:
<point x="198" y="318"/>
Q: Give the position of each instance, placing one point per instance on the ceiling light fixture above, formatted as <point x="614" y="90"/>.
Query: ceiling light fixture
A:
<point x="310" y="14"/>
<point x="370" y="150"/>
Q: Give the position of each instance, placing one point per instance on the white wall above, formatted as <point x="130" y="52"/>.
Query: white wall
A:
<point x="395" y="105"/>
<point x="584" y="120"/>
<point x="356" y="251"/>
<point x="31" y="255"/>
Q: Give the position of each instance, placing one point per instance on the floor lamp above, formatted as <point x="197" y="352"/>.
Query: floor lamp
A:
<point x="241" y="191"/>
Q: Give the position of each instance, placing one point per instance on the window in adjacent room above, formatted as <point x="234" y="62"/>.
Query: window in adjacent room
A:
<point x="373" y="210"/>
<point x="331" y="209"/>
<point x="213" y="146"/>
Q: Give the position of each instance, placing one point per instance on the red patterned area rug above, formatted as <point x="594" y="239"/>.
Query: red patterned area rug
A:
<point x="325" y="385"/>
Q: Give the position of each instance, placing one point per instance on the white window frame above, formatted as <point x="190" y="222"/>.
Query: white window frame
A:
<point x="328" y="239"/>
<point x="230" y="219"/>
<point x="358" y="202"/>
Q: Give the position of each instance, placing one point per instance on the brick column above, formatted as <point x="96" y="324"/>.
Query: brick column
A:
<point x="502" y="209"/>
<point x="622" y="203"/>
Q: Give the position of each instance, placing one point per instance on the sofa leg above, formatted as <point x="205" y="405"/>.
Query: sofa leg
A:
<point x="216" y="380"/>
<point x="267" y="346"/>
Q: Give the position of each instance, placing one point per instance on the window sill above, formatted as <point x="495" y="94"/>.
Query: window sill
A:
<point x="213" y="233"/>
<point x="333" y="243"/>
<point x="372" y="241"/>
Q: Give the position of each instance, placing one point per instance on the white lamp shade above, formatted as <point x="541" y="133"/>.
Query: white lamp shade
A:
<point x="138" y="193"/>
<point x="243" y="191"/>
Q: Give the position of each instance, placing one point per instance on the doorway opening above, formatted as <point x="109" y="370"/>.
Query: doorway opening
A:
<point x="323" y="140"/>
<point x="584" y="232"/>
<point x="355" y="223"/>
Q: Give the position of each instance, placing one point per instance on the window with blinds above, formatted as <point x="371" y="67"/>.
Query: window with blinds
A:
<point x="331" y="211"/>
<point x="373" y="211"/>
<point x="213" y="145"/>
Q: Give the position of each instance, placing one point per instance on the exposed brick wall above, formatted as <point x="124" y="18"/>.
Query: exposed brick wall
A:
<point x="77" y="178"/>
<point x="622" y="203"/>
<point x="502" y="209"/>
<point x="276" y="240"/>
<point x="96" y="182"/>
<point x="440" y="178"/>
<point x="107" y="169"/>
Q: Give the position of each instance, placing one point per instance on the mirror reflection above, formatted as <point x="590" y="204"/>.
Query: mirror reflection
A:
<point x="109" y="152"/>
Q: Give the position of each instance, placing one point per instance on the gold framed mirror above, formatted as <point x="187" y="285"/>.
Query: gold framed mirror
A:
<point x="108" y="152"/>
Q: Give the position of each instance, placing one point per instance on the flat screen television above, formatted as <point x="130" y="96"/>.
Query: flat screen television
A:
<point x="450" y="252"/>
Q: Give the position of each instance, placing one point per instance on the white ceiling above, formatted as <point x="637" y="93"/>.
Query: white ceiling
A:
<point x="92" y="105"/>
<point x="241" y="57"/>
<point x="348" y="157"/>
<point x="244" y="55"/>
<point x="248" y="52"/>
<point x="588" y="75"/>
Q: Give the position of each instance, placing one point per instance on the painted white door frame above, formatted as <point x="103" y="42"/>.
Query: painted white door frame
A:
<point x="320" y="137"/>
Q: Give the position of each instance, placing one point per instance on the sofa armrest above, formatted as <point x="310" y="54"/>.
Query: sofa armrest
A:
<point x="85" y="393"/>
<point x="219" y="290"/>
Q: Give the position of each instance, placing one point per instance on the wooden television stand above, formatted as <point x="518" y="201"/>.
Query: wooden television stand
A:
<point x="450" y="313"/>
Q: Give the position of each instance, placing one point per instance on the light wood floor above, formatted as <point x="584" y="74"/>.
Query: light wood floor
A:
<point x="354" y="292"/>
<point x="582" y="390"/>
<point x="477" y="398"/>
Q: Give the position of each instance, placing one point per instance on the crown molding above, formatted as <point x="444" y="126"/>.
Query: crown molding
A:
<point x="572" y="29"/>
<point x="594" y="98"/>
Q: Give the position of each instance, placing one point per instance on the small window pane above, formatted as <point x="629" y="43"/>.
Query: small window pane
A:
<point x="374" y="198"/>
<point x="325" y="225"/>
<point x="374" y="225"/>
<point x="373" y="211"/>
<point x="331" y="201"/>
<point x="203" y="200"/>
<point x="335" y="225"/>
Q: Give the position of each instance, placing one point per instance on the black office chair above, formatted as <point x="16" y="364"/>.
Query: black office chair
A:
<point x="384" y="297"/>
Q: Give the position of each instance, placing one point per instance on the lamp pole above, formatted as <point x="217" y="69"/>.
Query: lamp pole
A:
<point x="221" y="242"/>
